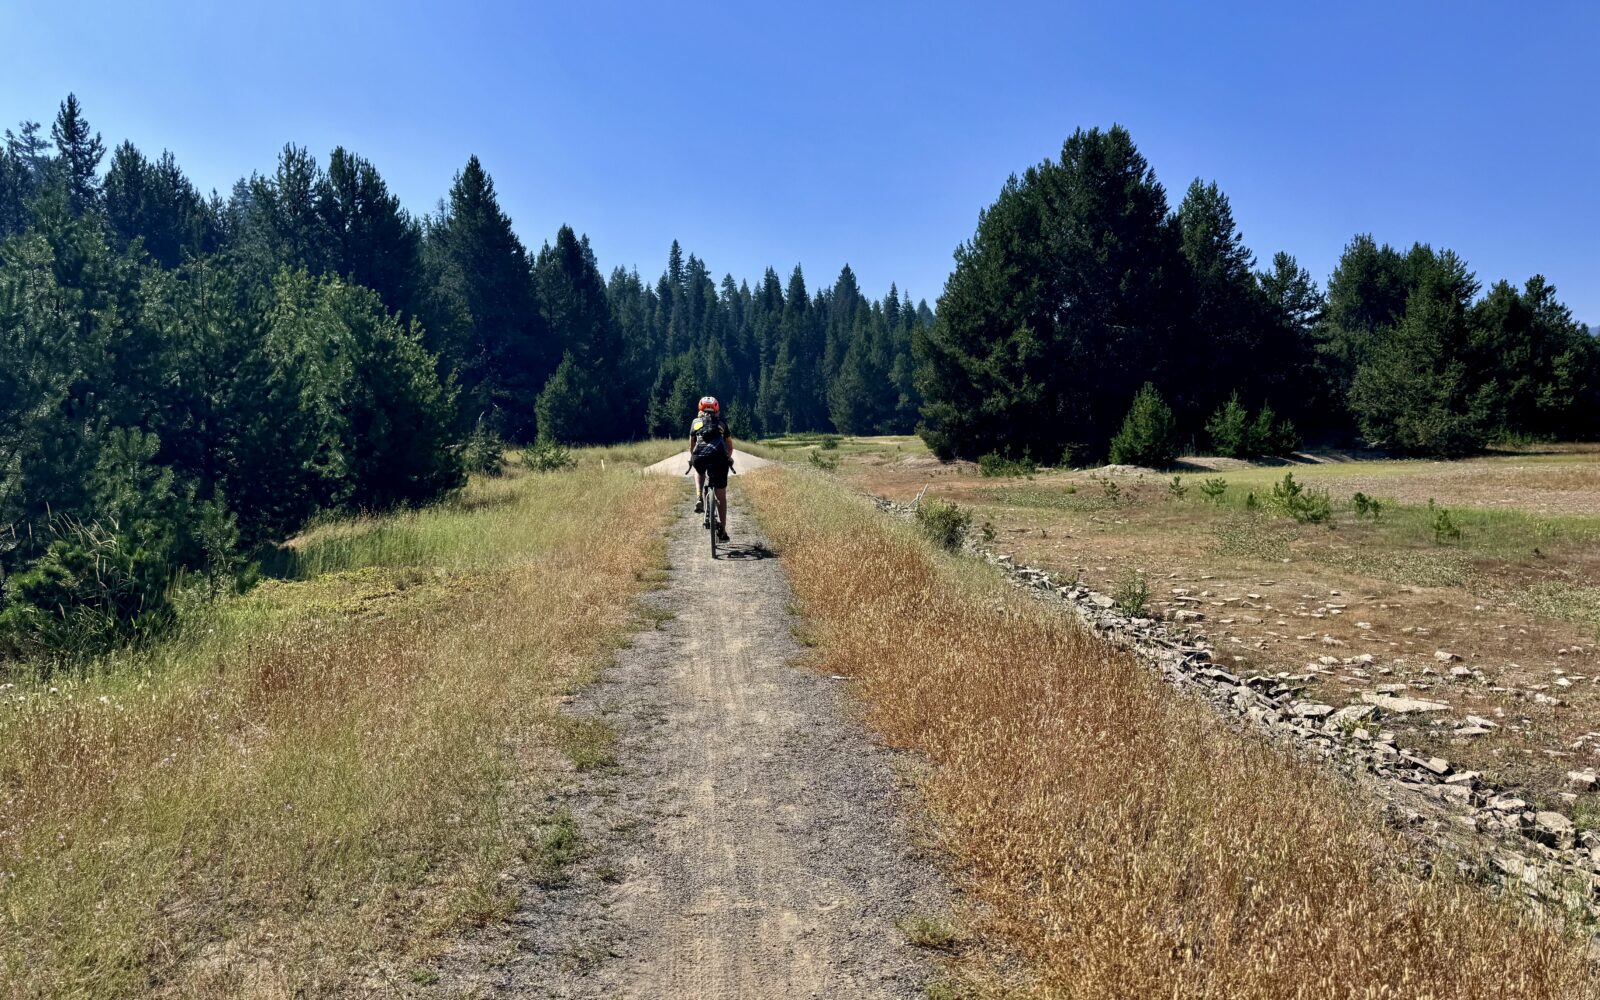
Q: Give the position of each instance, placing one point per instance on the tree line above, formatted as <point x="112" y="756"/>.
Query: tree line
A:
<point x="1081" y="290"/>
<point x="186" y="379"/>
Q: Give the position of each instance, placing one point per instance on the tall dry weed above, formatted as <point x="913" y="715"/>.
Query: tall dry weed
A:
<point x="1118" y="838"/>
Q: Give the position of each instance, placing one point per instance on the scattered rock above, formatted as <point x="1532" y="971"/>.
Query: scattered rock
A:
<point x="1403" y="706"/>
<point x="1445" y="657"/>
<point x="1310" y="710"/>
<point x="1554" y="829"/>
<point x="1582" y="781"/>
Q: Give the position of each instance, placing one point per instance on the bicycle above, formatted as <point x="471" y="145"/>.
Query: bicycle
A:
<point x="708" y="499"/>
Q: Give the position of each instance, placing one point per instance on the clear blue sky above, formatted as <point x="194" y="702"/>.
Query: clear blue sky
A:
<point x="873" y="132"/>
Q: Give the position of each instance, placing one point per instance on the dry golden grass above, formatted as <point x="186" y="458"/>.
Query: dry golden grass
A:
<point x="294" y="797"/>
<point x="1119" y="840"/>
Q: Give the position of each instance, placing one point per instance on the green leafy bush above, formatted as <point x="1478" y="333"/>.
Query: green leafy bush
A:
<point x="1176" y="489"/>
<point x="1149" y="434"/>
<point x="945" y="523"/>
<point x="1132" y="594"/>
<point x="1214" y="489"/>
<point x="1366" y="506"/>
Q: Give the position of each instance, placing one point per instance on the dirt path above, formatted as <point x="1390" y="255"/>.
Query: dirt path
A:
<point x="750" y="840"/>
<point x="674" y="466"/>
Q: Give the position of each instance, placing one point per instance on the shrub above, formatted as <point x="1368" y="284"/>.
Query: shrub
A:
<point x="1149" y="434"/>
<point x="483" y="453"/>
<point x="945" y="523"/>
<point x="547" y="456"/>
<point x="1444" y="526"/>
<point x="1133" y="594"/>
<point x="827" y="463"/>
<point x="995" y="464"/>
<point x="1176" y="488"/>
<point x="1305" y="506"/>
<point x="829" y="442"/>
<point x="1214" y="489"/>
<point x="1366" y="506"/>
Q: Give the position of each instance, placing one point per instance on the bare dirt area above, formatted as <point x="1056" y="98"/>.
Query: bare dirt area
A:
<point x="1499" y="627"/>
<point x="744" y="837"/>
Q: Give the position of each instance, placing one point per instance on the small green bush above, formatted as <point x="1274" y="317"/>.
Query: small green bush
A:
<point x="829" y="442"/>
<point x="1132" y="595"/>
<point x="827" y="463"/>
<point x="1366" y="507"/>
<point x="1149" y="434"/>
<point x="1214" y="489"/>
<point x="1445" y="529"/>
<point x="1176" y="488"/>
<point x="483" y="453"/>
<point x="945" y="523"/>
<point x="1306" y="506"/>
<point x="548" y="456"/>
<point x="995" y="464"/>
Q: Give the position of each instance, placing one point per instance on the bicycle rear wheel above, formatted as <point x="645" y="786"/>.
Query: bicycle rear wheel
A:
<point x="711" y="518"/>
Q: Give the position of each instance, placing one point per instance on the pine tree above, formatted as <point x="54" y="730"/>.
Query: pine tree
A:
<point x="80" y="154"/>
<point x="1149" y="433"/>
<point x="576" y="311"/>
<point x="1416" y="392"/>
<point x="1230" y="338"/>
<point x="1060" y="306"/>
<point x="373" y="241"/>
<point x="484" y="308"/>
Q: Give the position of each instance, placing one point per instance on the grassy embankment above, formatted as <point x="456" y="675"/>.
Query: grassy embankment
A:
<point x="1114" y="836"/>
<point x="301" y="792"/>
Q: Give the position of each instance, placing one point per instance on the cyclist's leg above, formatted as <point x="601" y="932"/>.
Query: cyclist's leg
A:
<point x="699" y="488"/>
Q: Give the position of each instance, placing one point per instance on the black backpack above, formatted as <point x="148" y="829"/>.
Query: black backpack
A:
<point x="709" y="433"/>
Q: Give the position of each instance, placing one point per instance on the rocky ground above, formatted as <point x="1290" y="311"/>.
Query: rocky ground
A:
<point x="1537" y="853"/>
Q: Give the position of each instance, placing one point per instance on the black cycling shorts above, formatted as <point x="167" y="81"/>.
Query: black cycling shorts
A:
<point x="715" y="466"/>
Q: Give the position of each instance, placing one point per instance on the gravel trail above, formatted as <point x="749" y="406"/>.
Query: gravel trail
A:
<point x="751" y="841"/>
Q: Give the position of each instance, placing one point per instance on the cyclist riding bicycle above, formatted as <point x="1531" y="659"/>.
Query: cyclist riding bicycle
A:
<point x="711" y="455"/>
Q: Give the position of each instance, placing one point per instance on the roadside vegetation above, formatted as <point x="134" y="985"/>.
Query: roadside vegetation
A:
<point x="1115" y="837"/>
<point x="307" y="785"/>
<point x="1492" y="560"/>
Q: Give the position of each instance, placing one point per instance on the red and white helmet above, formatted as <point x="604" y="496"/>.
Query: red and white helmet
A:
<point x="710" y="403"/>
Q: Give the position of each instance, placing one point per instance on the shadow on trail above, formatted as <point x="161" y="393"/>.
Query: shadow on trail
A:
<point x="737" y="552"/>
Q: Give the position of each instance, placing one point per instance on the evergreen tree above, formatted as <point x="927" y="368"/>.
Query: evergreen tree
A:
<point x="80" y="153"/>
<point x="573" y="302"/>
<point x="485" y="313"/>
<point x="373" y="241"/>
<point x="1060" y="306"/>
<point x="1415" y="392"/>
<point x="1149" y="433"/>
<point x="156" y="204"/>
